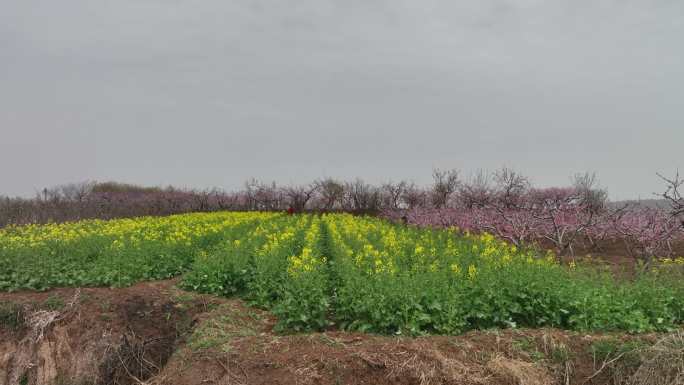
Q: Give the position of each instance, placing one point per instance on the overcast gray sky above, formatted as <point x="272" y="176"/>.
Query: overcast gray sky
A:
<point x="210" y="92"/>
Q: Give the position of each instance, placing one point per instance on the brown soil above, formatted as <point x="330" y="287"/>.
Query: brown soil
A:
<point x="153" y="333"/>
<point x="95" y="335"/>
<point x="248" y="352"/>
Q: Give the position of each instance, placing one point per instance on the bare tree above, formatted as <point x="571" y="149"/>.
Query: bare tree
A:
<point x="445" y="183"/>
<point x="251" y="188"/>
<point x="361" y="197"/>
<point x="76" y="192"/>
<point x="201" y="200"/>
<point x="591" y="196"/>
<point x="476" y="192"/>
<point x="392" y="194"/>
<point x="53" y="194"/>
<point x="331" y="193"/>
<point x="262" y="196"/>
<point x="299" y="196"/>
<point x="674" y="197"/>
<point x="223" y="200"/>
<point x="413" y="197"/>
<point x="510" y="187"/>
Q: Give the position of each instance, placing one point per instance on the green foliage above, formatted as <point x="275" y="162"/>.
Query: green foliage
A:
<point x="404" y="280"/>
<point x="53" y="302"/>
<point x="112" y="253"/>
<point x="254" y="265"/>
<point x="560" y="354"/>
<point x="358" y="273"/>
<point x="619" y="353"/>
<point x="303" y="307"/>
<point x="225" y="324"/>
<point x="11" y="315"/>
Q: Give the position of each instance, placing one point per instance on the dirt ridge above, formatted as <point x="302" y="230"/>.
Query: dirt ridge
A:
<point x="155" y="334"/>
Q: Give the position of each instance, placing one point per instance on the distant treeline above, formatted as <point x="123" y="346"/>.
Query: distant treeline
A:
<point x="88" y="200"/>
<point x="448" y="190"/>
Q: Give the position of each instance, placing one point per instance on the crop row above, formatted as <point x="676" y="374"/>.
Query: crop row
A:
<point x="355" y="273"/>
<point x="112" y="253"/>
<point x="369" y="275"/>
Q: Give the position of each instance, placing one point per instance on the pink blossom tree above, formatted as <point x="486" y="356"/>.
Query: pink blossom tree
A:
<point x="646" y="232"/>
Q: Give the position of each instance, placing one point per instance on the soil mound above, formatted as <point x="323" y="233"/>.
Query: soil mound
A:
<point x="94" y="335"/>
<point x="155" y="334"/>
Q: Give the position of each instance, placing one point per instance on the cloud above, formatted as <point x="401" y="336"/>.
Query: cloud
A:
<point x="205" y="93"/>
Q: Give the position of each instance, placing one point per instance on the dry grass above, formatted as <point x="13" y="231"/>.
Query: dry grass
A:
<point x="39" y="321"/>
<point x="516" y="372"/>
<point x="663" y="363"/>
<point x="423" y="362"/>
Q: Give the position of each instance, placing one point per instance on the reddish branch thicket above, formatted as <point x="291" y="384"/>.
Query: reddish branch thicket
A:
<point x="504" y="203"/>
